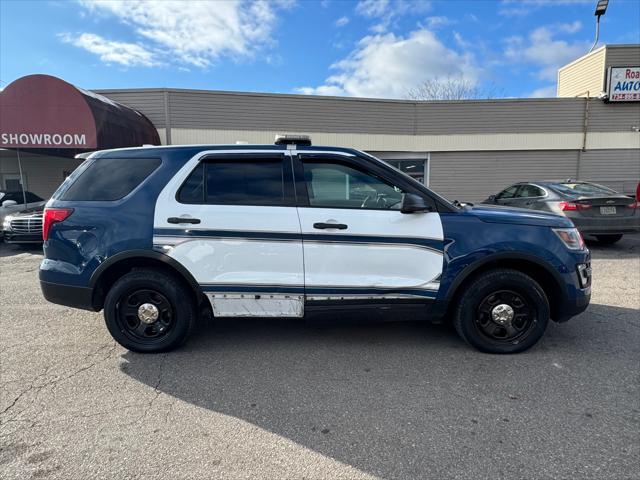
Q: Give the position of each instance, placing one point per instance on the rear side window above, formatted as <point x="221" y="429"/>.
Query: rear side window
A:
<point x="235" y="182"/>
<point x="528" y="191"/>
<point x="108" y="179"/>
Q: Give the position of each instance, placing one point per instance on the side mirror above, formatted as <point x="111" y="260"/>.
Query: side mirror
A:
<point x="412" y="203"/>
<point x="492" y="198"/>
<point x="9" y="203"/>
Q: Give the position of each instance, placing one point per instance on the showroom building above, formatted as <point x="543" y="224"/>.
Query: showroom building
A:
<point x="462" y="149"/>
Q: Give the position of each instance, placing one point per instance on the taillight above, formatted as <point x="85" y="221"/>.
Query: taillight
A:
<point x="567" y="206"/>
<point x="634" y="205"/>
<point x="51" y="216"/>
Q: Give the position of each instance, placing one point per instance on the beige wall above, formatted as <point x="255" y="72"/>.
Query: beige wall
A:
<point x="585" y="75"/>
<point x="42" y="174"/>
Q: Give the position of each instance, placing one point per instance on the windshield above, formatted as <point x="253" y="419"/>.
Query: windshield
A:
<point x="586" y="189"/>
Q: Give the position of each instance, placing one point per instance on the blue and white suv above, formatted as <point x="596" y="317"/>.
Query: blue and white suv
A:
<point x="154" y="235"/>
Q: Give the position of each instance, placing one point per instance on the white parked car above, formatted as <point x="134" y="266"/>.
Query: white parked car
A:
<point x="12" y="202"/>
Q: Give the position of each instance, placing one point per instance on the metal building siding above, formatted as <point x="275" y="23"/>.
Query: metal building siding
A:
<point x="582" y="75"/>
<point x="622" y="56"/>
<point x="500" y="116"/>
<point x="473" y="176"/>
<point x="613" y="117"/>
<point x="233" y="111"/>
<point x="618" y="169"/>
<point x="149" y="102"/>
<point x="221" y="111"/>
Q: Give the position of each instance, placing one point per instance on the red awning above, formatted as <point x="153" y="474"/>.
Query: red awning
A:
<point x="48" y="115"/>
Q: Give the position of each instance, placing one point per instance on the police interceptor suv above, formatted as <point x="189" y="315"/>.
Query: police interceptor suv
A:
<point x="154" y="235"/>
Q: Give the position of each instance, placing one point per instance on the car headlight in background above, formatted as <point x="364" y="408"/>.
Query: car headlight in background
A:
<point x="570" y="237"/>
<point x="6" y="223"/>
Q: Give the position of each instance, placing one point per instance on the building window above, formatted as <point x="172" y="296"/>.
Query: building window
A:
<point x="11" y="182"/>
<point x="416" y="168"/>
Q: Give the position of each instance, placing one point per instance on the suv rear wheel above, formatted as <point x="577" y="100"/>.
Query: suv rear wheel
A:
<point x="149" y="311"/>
<point x="502" y="311"/>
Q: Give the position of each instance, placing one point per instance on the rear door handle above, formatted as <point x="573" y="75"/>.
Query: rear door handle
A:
<point x="322" y="226"/>
<point x="183" y="220"/>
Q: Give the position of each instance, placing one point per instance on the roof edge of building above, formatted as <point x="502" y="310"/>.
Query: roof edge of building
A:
<point x="331" y="97"/>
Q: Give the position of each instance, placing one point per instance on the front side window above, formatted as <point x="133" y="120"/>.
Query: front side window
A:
<point x="335" y="185"/>
<point x="235" y="182"/>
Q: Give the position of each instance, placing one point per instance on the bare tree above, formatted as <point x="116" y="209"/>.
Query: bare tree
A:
<point x="449" y="88"/>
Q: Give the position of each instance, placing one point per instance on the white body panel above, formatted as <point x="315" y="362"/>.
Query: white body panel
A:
<point x="262" y="261"/>
<point x="234" y="246"/>
<point x="377" y="250"/>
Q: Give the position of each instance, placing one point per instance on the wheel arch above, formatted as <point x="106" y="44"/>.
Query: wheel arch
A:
<point x="548" y="279"/>
<point x="113" y="268"/>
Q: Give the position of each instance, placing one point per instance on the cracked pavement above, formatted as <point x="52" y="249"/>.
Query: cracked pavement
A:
<point x="276" y="399"/>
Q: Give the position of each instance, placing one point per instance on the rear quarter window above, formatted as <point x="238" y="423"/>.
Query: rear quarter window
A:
<point x="109" y="179"/>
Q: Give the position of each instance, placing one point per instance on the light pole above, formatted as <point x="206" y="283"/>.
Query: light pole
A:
<point x="601" y="8"/>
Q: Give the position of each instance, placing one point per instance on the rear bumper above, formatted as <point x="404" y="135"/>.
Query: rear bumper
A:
<point x="602" y="225"/>
<point x="68" y="295"/>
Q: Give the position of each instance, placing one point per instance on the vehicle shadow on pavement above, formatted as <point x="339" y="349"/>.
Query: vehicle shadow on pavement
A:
<point x="406" y="399"/>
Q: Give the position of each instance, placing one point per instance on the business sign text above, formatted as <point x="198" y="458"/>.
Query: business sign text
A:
<point x="51" y="140"/>
<point x="624" y="84"/>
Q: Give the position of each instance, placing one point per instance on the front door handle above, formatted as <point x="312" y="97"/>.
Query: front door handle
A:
<point x="183" y="220"/>
<point x="322" y="226"/>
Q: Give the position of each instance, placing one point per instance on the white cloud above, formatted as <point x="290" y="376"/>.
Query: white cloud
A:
<point x="544" y="50"/>
<point x="384" y="12"/>
<point x="438" y="21"/>
<point x="109" y="51"/>
<point x="342" y="21"/>
<point x="544" y="92"/>
<point x="389" y="66"/>
<point x="196" y="33"/>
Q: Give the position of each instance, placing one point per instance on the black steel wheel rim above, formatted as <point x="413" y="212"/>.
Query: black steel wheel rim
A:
<point x="513" y="330"/>
<point x="129" y="315"/>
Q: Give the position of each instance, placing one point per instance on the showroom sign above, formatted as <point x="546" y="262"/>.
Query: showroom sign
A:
<point x="52" y="117"/>
<point x="34" y="140"/>
<point x="623" y="84"/>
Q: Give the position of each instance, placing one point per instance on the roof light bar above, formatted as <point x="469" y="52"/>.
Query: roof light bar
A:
<point x="301" y="140"/>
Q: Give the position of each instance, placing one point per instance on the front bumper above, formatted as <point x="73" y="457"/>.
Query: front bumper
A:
<point x="574" y="306"/>
<point x="12" y="237"/>
<point x="68" y="295"/>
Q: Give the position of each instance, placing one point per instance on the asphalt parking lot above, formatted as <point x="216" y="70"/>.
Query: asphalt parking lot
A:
<point x="276" y="399"/>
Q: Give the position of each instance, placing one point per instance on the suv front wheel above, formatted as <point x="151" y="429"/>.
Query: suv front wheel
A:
<point x="502" y="311"/>
<point x="149" y="311"/>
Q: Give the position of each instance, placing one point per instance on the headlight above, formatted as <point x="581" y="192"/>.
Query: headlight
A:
<point x="6" y="224"/>
<point x="570" y="237"/>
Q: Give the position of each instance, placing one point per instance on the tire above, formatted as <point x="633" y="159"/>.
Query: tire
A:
<point x="486" y="296"/>
<point x="175" y="311"/>
<point x="609" y="239"/>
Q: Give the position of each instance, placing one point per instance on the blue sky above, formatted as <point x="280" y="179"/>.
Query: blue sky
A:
<point x="368" y="48"/>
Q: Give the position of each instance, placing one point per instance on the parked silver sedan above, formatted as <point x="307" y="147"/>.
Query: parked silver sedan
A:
<point x="594" y="209"/>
